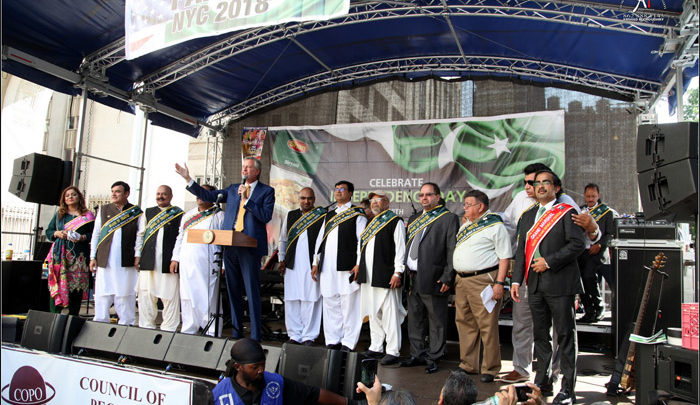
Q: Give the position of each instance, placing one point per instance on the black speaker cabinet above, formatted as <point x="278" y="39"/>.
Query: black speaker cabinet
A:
<point x="677" y="371"/>
<point x="670" y="190"/>
<point x="200" y="354"/>
<point x="317" y="366"/>
<point x="148" y="344"/>
<point x="11" y="329"/>
<point x="74" y="325"/>
<point x="629" y="262"/>
<point x="99" y="339"/>
<point x="44" y="331"/>
<point x="21" y="286"/>
<point x="39" y="178"/>
<point x="272" y="357"/>
<point x="351" y="374"/>
<point x="662" y="144"/>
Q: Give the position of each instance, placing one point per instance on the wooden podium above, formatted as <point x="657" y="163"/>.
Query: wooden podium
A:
<point x="220" y="237"/>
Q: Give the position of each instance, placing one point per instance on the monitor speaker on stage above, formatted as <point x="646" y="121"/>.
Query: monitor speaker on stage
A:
<point x="317" y="366"/>
<point x="74" y="325"/>
<point x="11" y="329"/>
<point x="272" y="357"/>
<point x="21" y="286"/>
<point x="147" y="344"/>
<point x="44" y="331"/>
<point x="99" y="339"/>
<point x="199" y="353"/>
<point x="40" y="178"/>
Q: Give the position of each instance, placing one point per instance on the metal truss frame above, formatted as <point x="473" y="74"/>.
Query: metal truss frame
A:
<point x="212" y="163"/>
<point x="446" y="66"/>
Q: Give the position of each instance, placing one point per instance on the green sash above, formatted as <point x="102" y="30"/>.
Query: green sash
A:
<point x="304" y="223"/>
<point x="375" y="225"/>
<point x="486" y="221"/>
<point x="424" y="220"/>
<point x="199" y="217"/>
<point x="338" y="219"/>
<point x="599" y="211"/>
<point x="159" y="221"/>
<point x="118" y="221"/>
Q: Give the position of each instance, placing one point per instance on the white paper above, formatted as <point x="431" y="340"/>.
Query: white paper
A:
<point x="487" y="298"/>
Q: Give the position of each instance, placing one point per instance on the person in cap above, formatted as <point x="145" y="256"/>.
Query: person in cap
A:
<point x="381" y="251"/>
<point x="247" y="382"/>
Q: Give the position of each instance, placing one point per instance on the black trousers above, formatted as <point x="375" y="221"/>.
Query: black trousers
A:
<point x="589" y="275"/>
<point x="427" y="316"/>
<point x="560" y="310"/>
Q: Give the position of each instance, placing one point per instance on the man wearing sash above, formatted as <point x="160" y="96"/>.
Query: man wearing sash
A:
<point x="431" y="238"/>
<point x="302" y="305"/>
<point x="593" y="257"/>
<point x="481" y="260"/>
<point x="545" y="259"/>
<point x="112" y="256"/>
<point x="382" y="252"/>
<point x="158" y="278"/>
<point x="197" y="266"/>
<point x="336" y="255"/>
<point x="249" y="207"/>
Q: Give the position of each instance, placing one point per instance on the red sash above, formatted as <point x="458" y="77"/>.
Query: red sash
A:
<point x="540" y="229"/>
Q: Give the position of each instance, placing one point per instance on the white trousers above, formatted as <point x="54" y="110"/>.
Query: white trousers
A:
<point x="191" y="321"/>
<point x="303" y="319"/>
<point x="341" y="319"/>
<point x="386" y="325"/>
<point x="148" y="311"/>
<point x="125" y="306"/>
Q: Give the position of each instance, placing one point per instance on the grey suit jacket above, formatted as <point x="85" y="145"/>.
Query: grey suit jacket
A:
<point x="435" y="254"/>
<point x="560" y="248"/>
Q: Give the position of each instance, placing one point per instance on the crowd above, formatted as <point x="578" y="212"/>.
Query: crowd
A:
<point x="347" y="263"/>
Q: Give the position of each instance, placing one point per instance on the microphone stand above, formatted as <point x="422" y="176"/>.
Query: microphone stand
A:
<point x="215" y="317"/>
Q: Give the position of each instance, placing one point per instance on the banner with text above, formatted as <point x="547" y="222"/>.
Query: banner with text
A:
<point x="486" y="154"/>
<point x="38" y="378"/>
<point x="155" y="24"/>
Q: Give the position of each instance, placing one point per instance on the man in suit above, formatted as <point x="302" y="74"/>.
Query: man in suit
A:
<point x="546" y="260"/>
<point x="590" y="261"/>
<point x="250" y="207"/>
<point x="430" y="245"/>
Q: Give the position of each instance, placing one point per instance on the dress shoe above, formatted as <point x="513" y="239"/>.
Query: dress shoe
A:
<point x="486" y="378"/>
<point x="547" y="389"/>
<point x="514" y="377"/>
<point x="412" y="362"/>
<point x="599" y="314"/>
<point x="587" y="318"/>
<point x="345" y="349"/>
<point x="432" y="367"/>
<point x="564" y="397"/>
<point x="308" y="343"/>
<point x="389" y="359"/>
<point x="335" y="346"/>
<point x="293" y="342"/>
<point x="372" y="354"/>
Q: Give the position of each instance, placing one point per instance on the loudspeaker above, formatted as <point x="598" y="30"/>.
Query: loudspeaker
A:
<point x="629" y="262"/>
<point x="677" y="371"/>
<point x="44" y="331"/>
<point x="199" y="353"/>
<point x="21" y="286"/>
<point x="99" y="339"/>
<point x="40" y="178"/>
<point x="670" y="190"/>
<point x="11" y="329"/>
<point x="41" y="250"/>
<point x="272" y="357"/>
<point x="148" y="344"/>
<point x="74" y="325"/>
<point x="351" y="374"/>
<point x="662" y="144"/>
<point x="317" y="366"/>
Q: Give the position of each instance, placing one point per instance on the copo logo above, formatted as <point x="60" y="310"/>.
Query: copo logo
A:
<point x="298" y="146"/>
<point x="28" y="388"/>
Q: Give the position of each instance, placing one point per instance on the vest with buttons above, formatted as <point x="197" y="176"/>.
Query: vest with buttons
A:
<point x="347" y="244"/>
<point x="311" y="233"/>
<point x="148" y="250"/>
<point x="383" y="260"/>
<point x="128" y="237"/>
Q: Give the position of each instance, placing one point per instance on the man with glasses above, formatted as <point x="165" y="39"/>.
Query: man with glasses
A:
<point x="382" y="251"/>
<point x="546" y="260"/>
<point x="336" y="255"/>
<point x="302" y="305"/>
<point x="430" y="245"/>
<point x="481" y="260"/>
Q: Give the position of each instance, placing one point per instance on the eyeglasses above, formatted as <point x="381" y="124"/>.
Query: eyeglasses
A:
<point x="421" y="195"/>
<point x="340" y="189"/>
<point x="470" y="205"/>
<point x="530" y="182"/>
<point x="542" y="183"/>
<point x="376" y="200"/>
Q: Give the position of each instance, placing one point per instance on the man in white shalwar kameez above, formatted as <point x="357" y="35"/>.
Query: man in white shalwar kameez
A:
<point x="112" y="256"/>
<point x="302" y="295"/>
<point x="382" y="251"/>
<point x="198" y="268"/>
<point x="336" y="255"/>
<point x="158" y="278"/>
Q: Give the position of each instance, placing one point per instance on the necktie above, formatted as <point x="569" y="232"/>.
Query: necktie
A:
<point x="413" y="251"/>
<point x="241" y="211"/>
<point x="540" y="212"/>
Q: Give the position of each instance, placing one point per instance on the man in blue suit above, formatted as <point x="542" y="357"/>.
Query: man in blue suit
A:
<point x="250" y="206"/>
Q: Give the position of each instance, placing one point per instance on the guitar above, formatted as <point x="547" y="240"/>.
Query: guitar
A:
<point x="623" y="375"/>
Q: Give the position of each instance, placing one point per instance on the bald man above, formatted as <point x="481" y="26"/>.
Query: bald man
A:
<point x="158" y="232"/>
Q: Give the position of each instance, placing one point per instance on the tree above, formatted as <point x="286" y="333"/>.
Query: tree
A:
<point x="690" y="107"/>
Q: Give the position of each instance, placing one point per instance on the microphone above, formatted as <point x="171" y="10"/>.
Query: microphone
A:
<point x="243" y="179"/>
<point x="219" y="198"/>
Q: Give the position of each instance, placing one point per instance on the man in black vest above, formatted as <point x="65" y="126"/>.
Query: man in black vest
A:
<point x="431" y="238"/>
<point x="157" y="277"/>
<point x="382" y="247"/>
<point x="336" y="255"/>
<point x="302" y="305"/>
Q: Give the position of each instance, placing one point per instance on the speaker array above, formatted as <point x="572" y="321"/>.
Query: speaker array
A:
<point x="40" y="178"/>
